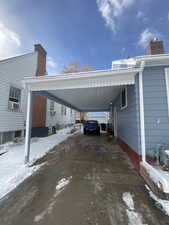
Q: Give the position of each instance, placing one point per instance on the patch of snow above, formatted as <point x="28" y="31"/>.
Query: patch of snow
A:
<point x="59" y="188"/>
<point x="17" y="177"/>
<point x="5" y="147"/>
<point x="128" y="199"/>
<point x="133" y="216"/>
<point x="162" y="204"/>
<point x="160" y="177"/>
<point x="63" y="182"/>
<point x="167" y="152"/>
<point x="12" y="168"/>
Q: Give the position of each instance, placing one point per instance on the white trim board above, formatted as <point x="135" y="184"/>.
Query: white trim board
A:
<point x="167" y="86"/>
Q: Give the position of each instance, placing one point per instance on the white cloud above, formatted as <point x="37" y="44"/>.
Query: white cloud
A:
<point x="146" y="36"/>
<point x="140" y="14"/>
<point x="111" y="10"/>
<point x="9" y="41"/>
<point x="51" y="63"/>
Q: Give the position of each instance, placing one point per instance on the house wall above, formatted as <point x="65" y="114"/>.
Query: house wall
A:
<point x="155" y="112"/>
<point x="128" y="118"/>
<point x="155" y="106"/>
<point x="12" y="71"/>
<point x="100" y="119"/>
<point x="58" y="118"/>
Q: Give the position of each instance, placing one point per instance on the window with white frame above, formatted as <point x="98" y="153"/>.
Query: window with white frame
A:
<point x="14" y="99"/>
<point x="52" y="105"/>
<point x="63" y="110"/>
<point x="52" y="108"/>
<point x="124" y="98"/>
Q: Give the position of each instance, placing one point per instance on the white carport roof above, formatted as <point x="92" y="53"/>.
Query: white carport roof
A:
<point x="87" y="91"/>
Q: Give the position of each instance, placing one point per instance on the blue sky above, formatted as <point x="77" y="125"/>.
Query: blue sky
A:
<point x="94" y="32"/>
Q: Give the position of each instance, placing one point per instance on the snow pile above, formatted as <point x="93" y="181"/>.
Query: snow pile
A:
<point x="12" y="168"/>
<point x="162" y="204"/>
<point x="160" y="177"/>
<point x="133" y="216"/>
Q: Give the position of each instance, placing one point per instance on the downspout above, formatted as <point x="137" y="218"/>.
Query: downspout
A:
<point x="142" y="122"/>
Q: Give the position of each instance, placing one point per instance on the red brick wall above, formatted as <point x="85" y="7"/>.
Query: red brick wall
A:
<point x="39" y="102"/>
<point x="155" y="47"/>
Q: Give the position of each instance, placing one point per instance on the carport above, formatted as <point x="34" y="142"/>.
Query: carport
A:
<point x="92" y="91"/>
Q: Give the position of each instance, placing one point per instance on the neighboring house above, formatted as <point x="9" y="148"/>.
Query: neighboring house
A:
<point x="13" y="104"/>
<point x="13" y="96"/>
<point x="100" y="117"/>
<point x="58" y="116"/>
<point x="80" y="117"/>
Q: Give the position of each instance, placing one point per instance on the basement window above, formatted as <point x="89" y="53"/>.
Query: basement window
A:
<point x="14" y="99"/>
<point x="124" y="98"/>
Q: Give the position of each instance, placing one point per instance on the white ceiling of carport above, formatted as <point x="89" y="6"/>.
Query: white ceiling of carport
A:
<point x="89" y="99"/>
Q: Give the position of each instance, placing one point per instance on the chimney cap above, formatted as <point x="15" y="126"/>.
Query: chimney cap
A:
<point x="39" y="48"/>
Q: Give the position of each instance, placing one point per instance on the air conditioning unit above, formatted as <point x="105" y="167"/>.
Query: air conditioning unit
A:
<point x="52" y="113"/>
<point x="13" y="106"/>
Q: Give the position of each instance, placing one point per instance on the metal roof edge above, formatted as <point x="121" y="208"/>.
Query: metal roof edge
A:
<point x="83" y="75"/>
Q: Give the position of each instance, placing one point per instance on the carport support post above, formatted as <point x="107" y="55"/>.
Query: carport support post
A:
<point x="142" y="122"/>
<point x="28" y="127"/>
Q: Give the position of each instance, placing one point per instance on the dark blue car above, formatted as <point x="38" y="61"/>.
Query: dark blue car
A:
<point x="91" y="126"/>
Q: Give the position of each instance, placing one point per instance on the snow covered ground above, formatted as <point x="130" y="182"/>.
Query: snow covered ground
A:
<point x="133" y="216"/>
<point x="160" y="177"/>
<point x="12" y="168"/>
<point x="162" y="204"/>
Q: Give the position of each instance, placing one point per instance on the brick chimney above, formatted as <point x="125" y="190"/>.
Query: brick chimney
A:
<point x="39" y="102"/>
<point x="41" y="70"/>
<point x="155" y="47"/>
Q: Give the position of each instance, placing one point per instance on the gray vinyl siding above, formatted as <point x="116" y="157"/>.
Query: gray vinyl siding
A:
<point x="128" y="121"/>
<point x="155" y="106"/>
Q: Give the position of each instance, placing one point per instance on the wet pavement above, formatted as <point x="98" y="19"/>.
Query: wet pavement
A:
<point x="100" y="188"/>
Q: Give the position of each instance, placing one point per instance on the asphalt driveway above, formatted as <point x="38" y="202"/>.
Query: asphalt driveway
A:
<point x="86" y="180"/>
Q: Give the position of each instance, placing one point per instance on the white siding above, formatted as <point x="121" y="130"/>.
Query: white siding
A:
<point x="12" y="71"/>
<point x="100" y="118"/>
<point x="58" y="118"/>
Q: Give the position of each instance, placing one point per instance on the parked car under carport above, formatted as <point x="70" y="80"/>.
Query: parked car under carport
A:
<point x="91" y="126"/>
